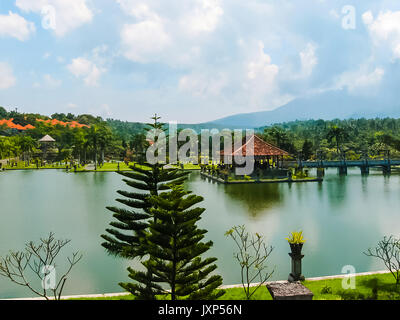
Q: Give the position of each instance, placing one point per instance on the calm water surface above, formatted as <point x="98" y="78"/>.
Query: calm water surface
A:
<point x="340" y="217"/>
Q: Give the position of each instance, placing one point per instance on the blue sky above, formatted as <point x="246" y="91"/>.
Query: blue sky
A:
<point x="192" y="60"/>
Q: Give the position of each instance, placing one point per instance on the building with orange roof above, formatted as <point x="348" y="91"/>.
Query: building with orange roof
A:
<point x="267" y="157"/>
<point x="10" y="124"/>
<point x="71" y="124"/>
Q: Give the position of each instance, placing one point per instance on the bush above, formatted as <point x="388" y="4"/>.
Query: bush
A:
<point x="326" y="290"/>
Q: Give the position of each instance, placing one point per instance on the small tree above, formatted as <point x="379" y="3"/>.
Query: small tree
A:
<point x="39" y="259"/>
<point x="252" y="256"/>
<point x="340" y="135"/>
<point x="307" y="150"/>
<point x="388" y="250"/>
<point x="175" y="247"/>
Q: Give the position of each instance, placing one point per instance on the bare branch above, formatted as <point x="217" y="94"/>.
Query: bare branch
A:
<point x="252" y="255"/>
<point x="388" y="250"/>
<point x="36" y="258"/>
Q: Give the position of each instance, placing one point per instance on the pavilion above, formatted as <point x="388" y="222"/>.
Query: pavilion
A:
<point x="268" y="160"/>
<point x="265" y="155"/>
<point x="48" y="147"/>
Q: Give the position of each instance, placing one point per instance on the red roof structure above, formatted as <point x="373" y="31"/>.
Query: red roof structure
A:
<point x="261" y="149"/>
<point x="72" y="124"/>
<point x="9" y="123"/>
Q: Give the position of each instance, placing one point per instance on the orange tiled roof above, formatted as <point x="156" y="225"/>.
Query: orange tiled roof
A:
<point x="261" y="148"/>
<point x="72" y="124"/>
<point x="9" y="123"/>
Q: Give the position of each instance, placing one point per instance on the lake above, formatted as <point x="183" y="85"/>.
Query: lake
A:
<point x="340" y="218"/>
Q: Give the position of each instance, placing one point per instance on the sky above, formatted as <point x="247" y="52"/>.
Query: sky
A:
<point x="192" y="61"/>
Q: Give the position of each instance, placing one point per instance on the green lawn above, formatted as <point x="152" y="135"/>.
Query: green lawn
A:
<point x="21" y="165"/>
<point x="110" y="167"/>
<point x="106" y="167"/>
<point x="330" y="289"/>
<point x="190" y="166"/>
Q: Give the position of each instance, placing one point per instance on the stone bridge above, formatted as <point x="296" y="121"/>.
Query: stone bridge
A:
<point x="342" y="165"/>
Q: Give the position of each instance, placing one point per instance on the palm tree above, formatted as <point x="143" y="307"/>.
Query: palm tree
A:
<point x="104" y="139"/>
<point x="278" y="135"/>
<point x="339" y="134"/>
<point x="27" y="144"/>
<point x="79" y="141"/>
<point x="139" y="145"/>
<point x="93" y="137"/>
<point x="390" y="141"/>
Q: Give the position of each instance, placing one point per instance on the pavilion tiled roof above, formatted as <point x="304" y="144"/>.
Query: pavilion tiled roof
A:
<point x="47" y="138"/>
<point x="261" y="148"/>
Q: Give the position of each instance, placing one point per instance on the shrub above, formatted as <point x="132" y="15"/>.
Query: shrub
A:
<point x="326" y="290"/>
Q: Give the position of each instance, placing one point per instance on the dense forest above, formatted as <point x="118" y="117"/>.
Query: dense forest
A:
<point x="88" y="138"/>
<point x="353" y="138"/>
<point x="101" y="140"/>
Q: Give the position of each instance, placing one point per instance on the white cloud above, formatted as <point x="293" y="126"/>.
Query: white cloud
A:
<point x="167" y="31"/>
<point x="69" y="14"/>
<point x="13" y="25"/>
<point x="72" y="105"/>
<point x="203" y="85"/>
<point x="261" y="82"/>
<point x="367" y="17"/>
<point x="51" y="82"/>
<point x="334" y="14"/>
<point x="204" y="17"/>
<point x="143" y="41"/>
<point x="7" y="79"/>
<point x="47" y="81"/>
<point x="361" y="79"/>
<point x="261" y="71"/>
<point x="308" y="60"/>
<point x="385" y="29"/>
<point x="137" y="9"/>
<point x="103" y="110"/>
<point x="86" y="69"/>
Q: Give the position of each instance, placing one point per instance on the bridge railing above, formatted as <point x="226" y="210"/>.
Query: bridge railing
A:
<point x="341" y="163"/>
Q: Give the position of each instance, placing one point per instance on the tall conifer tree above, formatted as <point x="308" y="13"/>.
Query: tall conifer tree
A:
<point x="175" y="245"/>
<point x="128" y="236"/>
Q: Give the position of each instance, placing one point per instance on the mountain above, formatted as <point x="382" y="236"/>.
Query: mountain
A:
<point x="327" y="106"/>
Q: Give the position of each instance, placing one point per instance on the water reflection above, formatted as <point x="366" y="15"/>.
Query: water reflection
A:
<point x="256" y="198"/>
<point x="336" y="188"/>
<point x="340" y="217"/>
